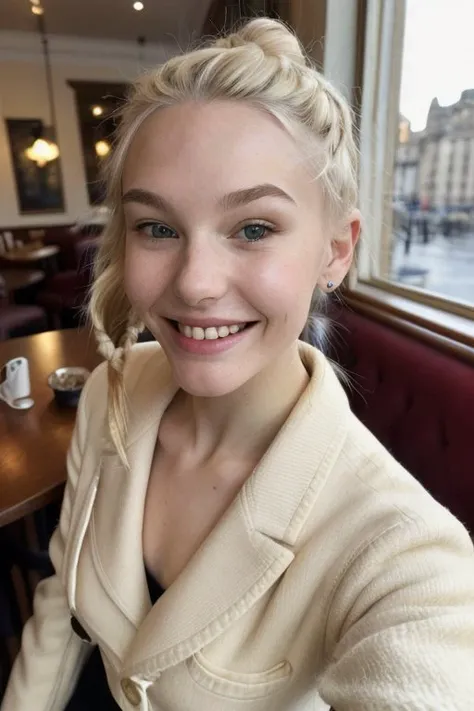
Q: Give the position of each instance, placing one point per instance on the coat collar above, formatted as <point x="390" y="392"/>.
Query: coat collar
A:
<point x="251" y="546"/>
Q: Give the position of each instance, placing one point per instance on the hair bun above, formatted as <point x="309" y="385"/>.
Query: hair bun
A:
<point x="273" y="37"/>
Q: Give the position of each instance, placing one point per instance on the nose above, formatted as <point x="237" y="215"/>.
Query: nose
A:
<point x="201" y="274"/>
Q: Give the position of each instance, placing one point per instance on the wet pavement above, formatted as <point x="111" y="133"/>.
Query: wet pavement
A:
<point x="445" y="265"/>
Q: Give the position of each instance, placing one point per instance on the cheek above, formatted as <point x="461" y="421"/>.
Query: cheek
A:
<point x="285" y="286"/>
<point x="144" y="276"/>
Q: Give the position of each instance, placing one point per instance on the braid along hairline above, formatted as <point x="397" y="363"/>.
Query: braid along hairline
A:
<point x="330" y="131"/>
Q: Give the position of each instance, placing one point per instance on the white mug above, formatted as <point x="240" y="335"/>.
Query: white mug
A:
<point x="8" y="240"/>
<point x="15" y="385"/>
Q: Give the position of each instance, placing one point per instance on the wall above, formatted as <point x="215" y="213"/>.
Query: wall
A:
<point x="308" y="18"/>
<point x="23" y="88"/>
<point x="341" y="44"/>
<point x="23" y="95"/>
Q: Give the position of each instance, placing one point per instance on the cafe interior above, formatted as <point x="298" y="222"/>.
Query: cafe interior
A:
<point x="65" y="68"/>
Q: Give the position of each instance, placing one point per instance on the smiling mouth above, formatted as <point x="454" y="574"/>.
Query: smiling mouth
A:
<point x="210" y="333"/>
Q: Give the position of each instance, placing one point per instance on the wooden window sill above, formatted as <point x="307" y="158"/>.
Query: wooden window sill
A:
<point x="451" y="333"/>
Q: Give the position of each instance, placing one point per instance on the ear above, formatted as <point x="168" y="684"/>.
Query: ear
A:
<point x="341" y="252"/>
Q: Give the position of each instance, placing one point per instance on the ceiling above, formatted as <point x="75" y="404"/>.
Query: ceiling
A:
<point x="160" y="20"/>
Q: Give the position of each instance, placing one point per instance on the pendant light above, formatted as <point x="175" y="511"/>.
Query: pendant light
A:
<point x="43" y="150"/>
<point x="102" y="148"/>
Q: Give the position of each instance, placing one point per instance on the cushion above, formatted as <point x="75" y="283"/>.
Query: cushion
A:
<point x="418" y="401"/>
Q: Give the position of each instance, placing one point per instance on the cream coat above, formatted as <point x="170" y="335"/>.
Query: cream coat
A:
<point x="333" y="579"/>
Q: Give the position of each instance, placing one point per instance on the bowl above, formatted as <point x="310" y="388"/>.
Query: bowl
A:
<point x="67" y="384"/>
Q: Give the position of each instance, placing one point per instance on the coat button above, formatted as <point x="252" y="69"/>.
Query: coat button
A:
<point x="130" y="690"/>
<point x="79" y="630"/>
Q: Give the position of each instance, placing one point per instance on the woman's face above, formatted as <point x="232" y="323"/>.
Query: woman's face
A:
<point x="225" y="241"/>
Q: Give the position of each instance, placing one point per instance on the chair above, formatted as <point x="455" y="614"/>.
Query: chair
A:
<point x="69" y="239"/>
<point x="18" y="320"/>
<point x="10" y="616"/>
<point x="66" y="292"/>
<point x="21" y="566"/>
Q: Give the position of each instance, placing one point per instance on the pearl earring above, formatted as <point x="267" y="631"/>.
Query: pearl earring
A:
<point x="330" y="284"/>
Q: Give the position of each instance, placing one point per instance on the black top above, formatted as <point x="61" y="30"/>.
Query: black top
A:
<point x="92" y="692"/>
<point x="154" y="588"/>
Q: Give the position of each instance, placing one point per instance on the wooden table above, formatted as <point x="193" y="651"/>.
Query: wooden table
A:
<point x="34" y="444"/>
<point x="45" y="257"/>
<point x="15" y="279"/>
<point x="24" y="255"/>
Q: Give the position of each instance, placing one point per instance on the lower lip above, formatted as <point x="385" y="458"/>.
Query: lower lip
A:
<point x="207" y="347"/>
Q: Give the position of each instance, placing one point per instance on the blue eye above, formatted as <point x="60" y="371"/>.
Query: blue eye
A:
<point x="156" y="230"/>
<point x="254" y="232"/>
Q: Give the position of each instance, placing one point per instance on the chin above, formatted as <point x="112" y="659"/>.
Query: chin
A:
<point x="209" y="381"/>
<point x="212" y="375"/>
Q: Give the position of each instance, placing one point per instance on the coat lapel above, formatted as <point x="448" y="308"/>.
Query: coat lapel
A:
<point x="248" y="550"/>
<point x="119" y="506"/>
<point x="253" y="544"/>
<point x="234" y="567"/>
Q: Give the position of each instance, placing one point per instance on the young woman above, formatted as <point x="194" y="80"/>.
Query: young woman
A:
<point x="231" y="536"/>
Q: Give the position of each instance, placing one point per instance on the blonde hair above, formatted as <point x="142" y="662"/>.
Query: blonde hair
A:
<point x="263" y="64"/>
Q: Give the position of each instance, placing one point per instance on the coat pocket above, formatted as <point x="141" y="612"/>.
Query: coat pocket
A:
<point x="238" y="685"/>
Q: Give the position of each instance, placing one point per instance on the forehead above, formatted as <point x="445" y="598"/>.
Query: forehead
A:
<point x="204" y="146"/>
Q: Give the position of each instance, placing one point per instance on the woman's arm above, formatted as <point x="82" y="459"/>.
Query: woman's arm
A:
<point x="406" y="640"/>
<point x="52" y="655"/>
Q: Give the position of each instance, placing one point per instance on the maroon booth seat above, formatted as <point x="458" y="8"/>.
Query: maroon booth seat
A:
<point x="418" y="401"/>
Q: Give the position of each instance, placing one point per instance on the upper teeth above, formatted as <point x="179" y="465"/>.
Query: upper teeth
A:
<point x="211" y="334"/>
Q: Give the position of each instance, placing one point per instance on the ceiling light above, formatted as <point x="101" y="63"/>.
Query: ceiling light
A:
<point x="102" y="148"/>
<point x="97" y="110"/>
<point x="35" y="2"/>
<point x="42" y="152"/>
<point x="138" y="6"/>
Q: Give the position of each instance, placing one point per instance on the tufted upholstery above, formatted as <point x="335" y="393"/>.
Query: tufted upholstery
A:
<point x="418" y="401"/>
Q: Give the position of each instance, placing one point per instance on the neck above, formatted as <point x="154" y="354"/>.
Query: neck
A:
<point x="244" y="423"/>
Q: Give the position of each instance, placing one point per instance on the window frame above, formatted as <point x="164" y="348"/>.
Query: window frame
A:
<point x="377" y="70"/>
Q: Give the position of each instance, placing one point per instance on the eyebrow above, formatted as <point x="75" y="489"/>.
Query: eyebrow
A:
<point x="228" y="202"/>
<point x="145" y="197"/>
<point x="246" y="195"/>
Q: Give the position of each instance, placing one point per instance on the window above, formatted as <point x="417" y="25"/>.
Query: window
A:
<point x="417" y="151"/>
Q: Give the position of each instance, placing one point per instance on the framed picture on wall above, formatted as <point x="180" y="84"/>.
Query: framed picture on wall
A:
<point x="39" y="189"/>
<point x="97" y="104"/>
